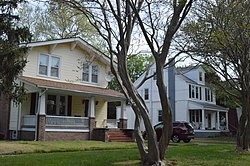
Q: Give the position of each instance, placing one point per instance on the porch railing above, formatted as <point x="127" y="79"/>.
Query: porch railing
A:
<point x="112" y="123"/>
<point x="67" y="122"/>
<point x="29" y="120"/>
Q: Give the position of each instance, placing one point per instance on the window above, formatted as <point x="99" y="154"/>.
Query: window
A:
<point x="200" y="94"/>
<point x="211" y="96"/>
<point x="200" y="76"/>
<point x="62" y="105"/>
<point x="54" y="72"/>
<point x="208" y="95"/>
<point x="159" y="115"/>
<point x="95" y="73"/>
<point x="51" y="105"/>
<point x="90" y="73"/>
<point x="43" y="64"/>
<point x="197" y="92"/>
<point x="195" y="117"/>
<point x="49" y="65"/>
<point x="85" y="72"/>
<point x="146" y="94"/>
<point x="56" y="105"/>
<point x="190" y="96"/>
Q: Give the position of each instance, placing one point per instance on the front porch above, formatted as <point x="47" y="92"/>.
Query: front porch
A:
<point x="209" y="120"/>
<point x="68" y="113"/>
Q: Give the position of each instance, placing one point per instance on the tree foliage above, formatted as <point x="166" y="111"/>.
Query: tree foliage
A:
<point x="12" y="55"/>
<point x="219" y="37"/>
<point x="137" y="65"/>
<point x="48" y="21"/>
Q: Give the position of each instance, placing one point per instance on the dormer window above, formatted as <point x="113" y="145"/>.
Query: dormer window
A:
<point x="200" y="76"/>
<point x="90" y="73"/>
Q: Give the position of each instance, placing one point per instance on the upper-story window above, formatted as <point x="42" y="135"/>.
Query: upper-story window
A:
<point x="146" y="94"/>
<point x="200" y="76"/>
<point x="208" y="95"/>
<point x="90" y="73"/>
<point x="49" y="65"/>
<point x="191" y="91"/>
<point x="195" y="92"/>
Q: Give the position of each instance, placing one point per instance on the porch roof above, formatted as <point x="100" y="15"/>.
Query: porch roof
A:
<point x="56" y="85"/>
<point x="206" y="106"/>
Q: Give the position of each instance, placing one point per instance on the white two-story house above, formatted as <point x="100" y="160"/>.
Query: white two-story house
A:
<point x="66" y="92"/>
<point x="190" y="98"/>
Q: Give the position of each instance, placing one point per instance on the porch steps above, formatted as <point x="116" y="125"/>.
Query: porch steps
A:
<point x="117" y="135"/>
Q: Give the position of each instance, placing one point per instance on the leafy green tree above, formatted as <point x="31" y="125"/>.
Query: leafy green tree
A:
<point x="49" y="21"/>
<point x="218" y="36"/>
<point x="12" y="60"/>
<point x="137" y="65"/>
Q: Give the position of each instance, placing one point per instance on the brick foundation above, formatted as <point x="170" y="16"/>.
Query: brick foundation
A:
<point x="41" y="127"/>
<point x="123" y="123"/>
<point x="66" y="136"/>
<point x="92" y="125"/>
<point x="100" y="134"/>
<point x="27" y="135"/>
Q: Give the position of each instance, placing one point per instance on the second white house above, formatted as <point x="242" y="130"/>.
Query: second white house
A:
<point x="191" y="100"/>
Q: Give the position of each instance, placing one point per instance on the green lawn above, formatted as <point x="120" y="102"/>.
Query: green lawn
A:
<point x="219" y="151"/>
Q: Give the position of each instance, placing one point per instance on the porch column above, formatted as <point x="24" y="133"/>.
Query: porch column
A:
<point x="218" y="120"/>
<point x="227" y="121"/>
<point x="91" y="113"/>
<point x="203" y="119"/>
<point x="41" y="123"/>
<point x="42" y="104"/>
<point x="123" y="120"/>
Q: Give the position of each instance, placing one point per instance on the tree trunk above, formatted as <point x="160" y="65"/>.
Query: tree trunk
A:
<point x="243" y="134"/>
<point x="151" y="155"/>
<point x="4" y="115"/>
<point x="166" y="110"/>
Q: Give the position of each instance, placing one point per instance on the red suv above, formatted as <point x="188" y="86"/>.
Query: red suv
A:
<point x="181" y="131"/>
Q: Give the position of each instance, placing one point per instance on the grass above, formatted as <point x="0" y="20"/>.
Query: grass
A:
<point x="216" y="151"/>
<point x="23" y="147"/>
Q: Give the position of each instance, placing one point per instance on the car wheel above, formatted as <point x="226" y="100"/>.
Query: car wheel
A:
<point x="186" y="140"/>
<point x="175" y="138"/>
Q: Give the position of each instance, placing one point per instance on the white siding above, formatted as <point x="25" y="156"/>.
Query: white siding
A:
<point x="15" y="110"/>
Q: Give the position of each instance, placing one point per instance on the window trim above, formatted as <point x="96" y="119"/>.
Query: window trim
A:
<point x="90" y="73"/>
<point x="49" y="65"/>
<point x="57" y="104"/>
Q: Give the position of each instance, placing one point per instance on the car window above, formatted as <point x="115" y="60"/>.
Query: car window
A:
<point x="175" y="124"/>
<point x="188" y="125"/>
<point x="159" y="126"/>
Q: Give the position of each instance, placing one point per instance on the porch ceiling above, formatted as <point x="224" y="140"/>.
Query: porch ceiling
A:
<point x="206" y="106"/>
<point x="70" y="87"/>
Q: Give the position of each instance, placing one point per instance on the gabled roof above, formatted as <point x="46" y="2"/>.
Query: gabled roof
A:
<point x="70" y="87"/>
<point x="186" y="79"/>
<point x="183" y="70"/>
<point x="75" y="41"/>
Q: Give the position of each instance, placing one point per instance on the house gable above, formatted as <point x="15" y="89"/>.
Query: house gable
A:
<point x="68" y="57"/>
